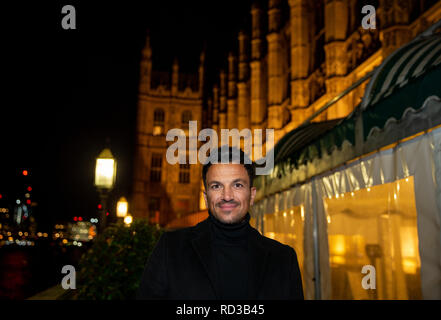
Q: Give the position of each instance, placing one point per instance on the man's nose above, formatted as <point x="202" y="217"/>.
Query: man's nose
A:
<point x="227" y="194"/>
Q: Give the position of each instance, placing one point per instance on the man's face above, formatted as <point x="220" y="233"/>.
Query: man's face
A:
<point x="228" y="194"/>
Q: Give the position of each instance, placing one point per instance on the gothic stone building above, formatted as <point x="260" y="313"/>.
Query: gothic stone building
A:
<point x="294" y="57"/>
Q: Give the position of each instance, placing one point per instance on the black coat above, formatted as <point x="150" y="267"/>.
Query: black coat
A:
<point x="181" y="267"/>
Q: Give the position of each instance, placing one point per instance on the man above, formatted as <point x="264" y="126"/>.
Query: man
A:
<point x="222" y="257"/>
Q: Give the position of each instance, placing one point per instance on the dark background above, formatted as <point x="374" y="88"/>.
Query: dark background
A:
<point x="66" y="91"/>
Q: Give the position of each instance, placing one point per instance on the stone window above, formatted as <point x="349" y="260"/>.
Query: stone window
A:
<point x="158" y="122"/>
<point x="155" y="169"/>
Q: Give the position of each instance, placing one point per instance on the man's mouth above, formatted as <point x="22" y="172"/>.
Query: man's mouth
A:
<point x="228" y="206"/>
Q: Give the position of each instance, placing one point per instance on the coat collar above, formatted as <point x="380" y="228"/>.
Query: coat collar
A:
<point x="258" y="255"/>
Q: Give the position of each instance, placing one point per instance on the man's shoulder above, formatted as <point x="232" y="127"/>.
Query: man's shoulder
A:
<point x="273" y="244"/>
<point x="184" y="232"/>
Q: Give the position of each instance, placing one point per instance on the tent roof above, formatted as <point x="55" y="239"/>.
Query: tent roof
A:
<point x="403" y="83"/>
<point x="299" y="138"/>
<point x="402" y="66"/>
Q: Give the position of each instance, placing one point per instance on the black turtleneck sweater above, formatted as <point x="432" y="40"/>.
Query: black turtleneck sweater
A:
<point x="230" y="249"/>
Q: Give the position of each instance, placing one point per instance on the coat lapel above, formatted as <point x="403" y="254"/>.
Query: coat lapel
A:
<point x="202" y="245"/>
<point x="258" y="260"/>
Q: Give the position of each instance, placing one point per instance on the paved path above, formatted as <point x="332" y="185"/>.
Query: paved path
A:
<point x="53" y="293"/>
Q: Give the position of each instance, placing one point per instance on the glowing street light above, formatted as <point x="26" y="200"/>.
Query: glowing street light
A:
<point x="105" y="170"/>
<point x="128" y="219"/>
<point x="122" y="207"/>
<point x="105" y="175"/>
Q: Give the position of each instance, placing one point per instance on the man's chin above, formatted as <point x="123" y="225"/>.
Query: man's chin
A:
<point x="227" y="217"/>
<point x="223" y="216"/>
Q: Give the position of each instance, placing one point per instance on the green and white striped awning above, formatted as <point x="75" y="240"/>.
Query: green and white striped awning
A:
<point x="403" y="81"/>
<point x="297" y="139"/>
<point x="405" y="64"/>
<point x="401" y="87"/>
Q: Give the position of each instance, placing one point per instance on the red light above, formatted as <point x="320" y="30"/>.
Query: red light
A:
<point x="75" y="218"/>
<point x="28" y="201"/>
<point x="80" y="219"/>
<point x="107" y="213"/>
<point x="25" y="172"/>
<point x="29" y="189"/>
<point x="1" y="196"/>
<point x="100" y="206"/>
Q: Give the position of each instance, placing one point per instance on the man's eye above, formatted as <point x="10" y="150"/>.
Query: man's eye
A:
<point x="239" y="185"/>
<point x="214" y="186"/>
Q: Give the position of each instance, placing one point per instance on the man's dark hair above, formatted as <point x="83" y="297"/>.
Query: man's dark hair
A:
<point x="229" y="153"/>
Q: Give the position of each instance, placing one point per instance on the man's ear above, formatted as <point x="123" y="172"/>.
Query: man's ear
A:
<point x="205" y="198"/>
<point x="253" y="194"/>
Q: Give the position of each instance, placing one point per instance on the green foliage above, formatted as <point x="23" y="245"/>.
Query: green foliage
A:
<point x="112" y="268"/>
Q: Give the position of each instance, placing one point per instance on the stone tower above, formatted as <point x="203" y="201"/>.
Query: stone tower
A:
<point x="166" y="100"/>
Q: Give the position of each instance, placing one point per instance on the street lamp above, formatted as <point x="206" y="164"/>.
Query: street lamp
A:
<point x="128" y="220"/>
<point x="105" y="174"/>
<point x="122" y="207"/>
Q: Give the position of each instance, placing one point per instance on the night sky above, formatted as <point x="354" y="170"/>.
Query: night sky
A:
<point x="66" y="91"/>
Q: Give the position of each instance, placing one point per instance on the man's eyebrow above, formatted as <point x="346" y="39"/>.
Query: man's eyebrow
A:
<point x="234" y="181"/>
<point x="240" y="180"/>
<point x="214" y="181"/>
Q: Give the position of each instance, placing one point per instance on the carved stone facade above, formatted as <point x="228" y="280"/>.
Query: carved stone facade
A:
<point x="304" y="53"/>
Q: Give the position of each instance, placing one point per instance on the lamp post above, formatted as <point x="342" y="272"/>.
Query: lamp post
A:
<point x="105" y="174"/>
<point x="122" y="207"/>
